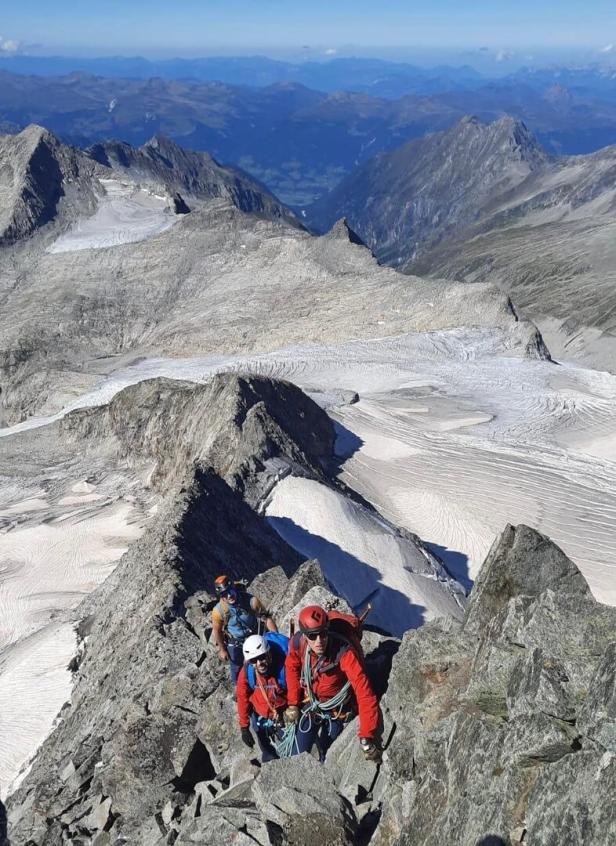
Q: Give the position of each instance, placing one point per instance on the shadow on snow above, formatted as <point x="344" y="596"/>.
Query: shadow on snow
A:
<point x="353" y="579"/>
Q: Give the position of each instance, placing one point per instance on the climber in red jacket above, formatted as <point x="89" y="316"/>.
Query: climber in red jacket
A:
<point x="261" y="691"/>
<point x="325" y="668"/>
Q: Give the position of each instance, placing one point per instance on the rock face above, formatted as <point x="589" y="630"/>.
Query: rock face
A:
<point x="36" y="171"/>
<point x="493" y="729"/>
<point x="400" y="202"/>
<point x="497" y="730"/>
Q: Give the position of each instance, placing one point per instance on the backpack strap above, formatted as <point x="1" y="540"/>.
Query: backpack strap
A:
<point x="329" y="662"/>
<point x="233" y="613"/>
<point x="251" y="676"/>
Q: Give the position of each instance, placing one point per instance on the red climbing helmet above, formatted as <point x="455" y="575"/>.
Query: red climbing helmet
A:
<point x="313" y="619"/>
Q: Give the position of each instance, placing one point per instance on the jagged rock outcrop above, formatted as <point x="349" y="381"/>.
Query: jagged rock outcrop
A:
<point x="497" y="730"/>
<point x="493" y="735"/>
<point x="251" y="430"/>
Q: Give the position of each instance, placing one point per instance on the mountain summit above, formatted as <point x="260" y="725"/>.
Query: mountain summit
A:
<point x="417" y="194"/>
<point x="36" y="172"/>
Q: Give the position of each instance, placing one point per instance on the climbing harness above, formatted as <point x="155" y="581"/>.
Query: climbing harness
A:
<point x="326" y="711"/>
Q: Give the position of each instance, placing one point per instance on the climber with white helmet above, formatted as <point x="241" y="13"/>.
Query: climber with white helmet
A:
<point x="262" y="691"/>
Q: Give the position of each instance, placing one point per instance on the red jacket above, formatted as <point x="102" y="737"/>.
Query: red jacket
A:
<point x="249" y="700"/>
<point x="331" y="679"/>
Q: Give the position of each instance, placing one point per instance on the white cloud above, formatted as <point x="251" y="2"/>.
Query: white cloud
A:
<point x="9" y="45"/>
<point x="331" y="51"/>
<point x="609" y="48"/>
<point x="504" y="55"/>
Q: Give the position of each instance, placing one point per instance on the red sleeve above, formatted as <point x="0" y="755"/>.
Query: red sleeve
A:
<point x="293" y="673"/>
<point x="243" y="694"/>
<point x="367" y="703"/>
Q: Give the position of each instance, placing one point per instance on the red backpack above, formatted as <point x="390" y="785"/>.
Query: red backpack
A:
<point x="350" y="628"/>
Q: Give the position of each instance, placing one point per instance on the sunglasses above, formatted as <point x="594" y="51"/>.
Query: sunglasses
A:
<point x="258" y="658"/>
<point x="314" y="635"/>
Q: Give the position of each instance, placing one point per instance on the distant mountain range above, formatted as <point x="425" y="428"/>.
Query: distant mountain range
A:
<point x="298" y="141"/>
<point x="486" y="202"/>
<point x="371" y="76"/>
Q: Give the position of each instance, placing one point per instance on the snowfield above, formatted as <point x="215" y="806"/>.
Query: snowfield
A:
<point x="363" y="557"/>
<point x="125" y="215"/>
<point x="450" y="439"/>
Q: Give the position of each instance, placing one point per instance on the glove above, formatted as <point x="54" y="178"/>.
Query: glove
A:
<point x="291" y="715"/>
<point x="371" y="750"/>
<point x="247" y="738"/>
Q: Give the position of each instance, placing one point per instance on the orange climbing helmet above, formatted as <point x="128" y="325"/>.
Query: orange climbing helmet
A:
<point x="222" y="585"/>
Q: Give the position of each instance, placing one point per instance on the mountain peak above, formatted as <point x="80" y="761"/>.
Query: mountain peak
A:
<point x="508" y="137"/>
<point x="40" y="168"/>
<point x="34" y="134"/>
<point x="403" y="201"/>
<point x="343" y="232"/>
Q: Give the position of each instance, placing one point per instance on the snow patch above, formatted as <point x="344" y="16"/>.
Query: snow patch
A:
<point x="125" y="215"/>
<point x="45" y="569"/>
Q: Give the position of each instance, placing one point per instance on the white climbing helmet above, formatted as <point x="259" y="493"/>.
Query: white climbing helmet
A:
<point x="255" y="646"/>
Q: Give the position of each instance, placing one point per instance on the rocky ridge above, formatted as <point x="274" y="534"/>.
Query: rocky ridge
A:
<point x="230" y="437"/>
<point x="246" y="429"/>
<point x="43" y="180"/>
<point x="501" y="728"/>
<point x="496" y="726"/>
<point x="190" y="175"/>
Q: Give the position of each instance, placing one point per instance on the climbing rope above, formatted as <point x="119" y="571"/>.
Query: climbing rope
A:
<point x="285" y="740"/>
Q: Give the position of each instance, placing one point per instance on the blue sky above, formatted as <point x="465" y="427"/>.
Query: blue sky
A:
<point x="194" y="26"/>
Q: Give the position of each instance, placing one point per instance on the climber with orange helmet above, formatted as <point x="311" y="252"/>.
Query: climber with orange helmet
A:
<point x="327" y="684"/>
<point x="236" y="615"/>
